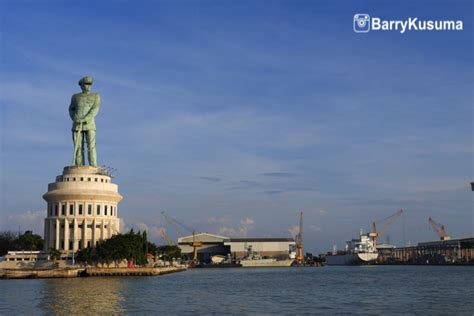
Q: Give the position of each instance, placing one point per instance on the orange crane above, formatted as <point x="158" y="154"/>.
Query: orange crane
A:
<point x="299" y="241"/>
<point x="176" y="224"/>
<point x="387" y="221"/>
<point x="439" y="228"/>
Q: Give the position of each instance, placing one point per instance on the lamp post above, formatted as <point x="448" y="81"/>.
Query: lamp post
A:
<point x="472" y="186"/>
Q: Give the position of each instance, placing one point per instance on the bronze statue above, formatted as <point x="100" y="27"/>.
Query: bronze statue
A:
<point x="82" y="110"/>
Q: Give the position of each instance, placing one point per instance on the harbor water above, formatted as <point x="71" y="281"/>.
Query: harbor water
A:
<point x="395" y="290"/>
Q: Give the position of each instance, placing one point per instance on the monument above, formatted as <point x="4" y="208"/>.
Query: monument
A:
<point x="82" y="204"/>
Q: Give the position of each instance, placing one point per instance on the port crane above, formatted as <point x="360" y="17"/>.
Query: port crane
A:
<point x="165" y="236"/>
<point x="387" y="221"/>
<point x="299" y="241"/>
<point x="177" y="226"/>
<point x="439" y="228"/>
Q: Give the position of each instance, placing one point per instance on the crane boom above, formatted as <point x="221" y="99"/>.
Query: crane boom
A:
<point x="165" y="236"/>
<point x="177" y="226"/>
<point x="387" y="221"/>
<point x="439" y="228"/>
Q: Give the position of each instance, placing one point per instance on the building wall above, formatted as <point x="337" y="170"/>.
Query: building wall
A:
<point x="263" y="248"/>
<point x="219" y="245"/>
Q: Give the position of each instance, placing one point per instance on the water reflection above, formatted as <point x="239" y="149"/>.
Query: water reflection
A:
<point x="82" y="296"/>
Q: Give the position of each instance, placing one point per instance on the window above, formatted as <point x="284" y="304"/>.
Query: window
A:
<point x="82" y="179"/>
<point x="101" y="180"/>
<point x="95" y="179"/>
<point x="50" y="210"/>
<point x="89" y="226"/>
<point x="63" y="209"/>
<point x="89" y="244"/>
<point x="56" y="207"/>
<point x="105" y="210"/>
<point x="73" y="179"/>
<point x="71" y="209"/>
<point x="80" y="209"/>
<point x="98" y="209"/>
<point x="62" y="244"/>
<point x="89" y="209"/>
<point x="70" y="245"/>
<point x="89" y="179"/>
<point x="67" y="179"/>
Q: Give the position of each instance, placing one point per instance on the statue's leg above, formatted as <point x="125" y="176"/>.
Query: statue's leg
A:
<point x="83" y="145"/>
<point x="91" y="147"/>
<point x="77" y="157"/>
<point x="80" y="149"/>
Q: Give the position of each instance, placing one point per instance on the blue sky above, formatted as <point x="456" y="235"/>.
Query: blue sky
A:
<point x="233" y="116"/>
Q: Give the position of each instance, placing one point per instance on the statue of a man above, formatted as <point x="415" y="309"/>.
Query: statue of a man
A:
<point x="83" y="109"/>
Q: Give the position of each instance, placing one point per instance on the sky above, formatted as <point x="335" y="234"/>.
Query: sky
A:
<point x="235" y="116"/>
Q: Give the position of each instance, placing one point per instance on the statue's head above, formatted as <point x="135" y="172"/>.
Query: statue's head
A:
<point x="86" y="83"/>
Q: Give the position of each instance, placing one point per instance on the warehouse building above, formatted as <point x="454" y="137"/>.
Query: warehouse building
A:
<point x="211" y="245"/>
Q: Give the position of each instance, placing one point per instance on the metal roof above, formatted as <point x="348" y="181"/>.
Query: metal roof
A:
<point x="259" y="239"/>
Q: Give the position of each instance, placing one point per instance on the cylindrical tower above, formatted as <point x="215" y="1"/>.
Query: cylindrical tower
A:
<point x="82" y="209"/>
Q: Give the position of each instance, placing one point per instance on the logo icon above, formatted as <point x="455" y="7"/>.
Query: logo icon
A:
<point x="361" y="23"/>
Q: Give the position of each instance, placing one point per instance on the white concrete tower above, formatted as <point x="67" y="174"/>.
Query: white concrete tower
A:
<point x="82" y="209"/>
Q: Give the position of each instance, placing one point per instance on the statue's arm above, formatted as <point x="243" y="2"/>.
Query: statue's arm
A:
<point x="94" y="109"/>
<point x="72" y="108"/>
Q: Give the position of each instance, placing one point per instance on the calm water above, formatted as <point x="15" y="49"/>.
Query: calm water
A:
<point x="291" y="291"/>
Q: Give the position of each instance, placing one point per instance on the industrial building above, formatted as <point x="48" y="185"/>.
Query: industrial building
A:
<point x="451" y="251"/>
<point x="210" y="245"/>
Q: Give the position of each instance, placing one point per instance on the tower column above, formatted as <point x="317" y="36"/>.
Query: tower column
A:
<point x="58" y="227"/>
<point x="66" y="234"/>
<point x="51" y="233"/>
<point x="84" y="235"/>
<point x="109" y="229"/>
<point x="75" y="236"/>
<point x="94" y="235"/>
<point x="102" y="229"/>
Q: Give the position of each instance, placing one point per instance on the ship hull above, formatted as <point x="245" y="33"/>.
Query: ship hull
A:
<point x="351" y="259"/>
<point x="266" y="263"/>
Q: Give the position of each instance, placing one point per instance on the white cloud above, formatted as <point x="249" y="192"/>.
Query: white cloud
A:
<point x="30" y="220"/>
<point x="294" y="230"/>
<point x="218" y="220"/>
<point x="314" y="228"/>
<point x="246" y="225"/>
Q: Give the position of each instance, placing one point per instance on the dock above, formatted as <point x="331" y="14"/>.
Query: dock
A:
<point x="81" y="272"/>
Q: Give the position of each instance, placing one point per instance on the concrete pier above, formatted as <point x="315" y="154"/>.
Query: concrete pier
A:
<point x="81" y="272"/>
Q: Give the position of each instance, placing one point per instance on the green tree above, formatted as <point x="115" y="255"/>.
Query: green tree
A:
<point x="7" y="242"/>
<point x="16" y="241"/>
<point x="54" y="254"/>
<point x="84" y="255"/>
<point x="169" y="252"/>
<point x="30" y="241"/>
